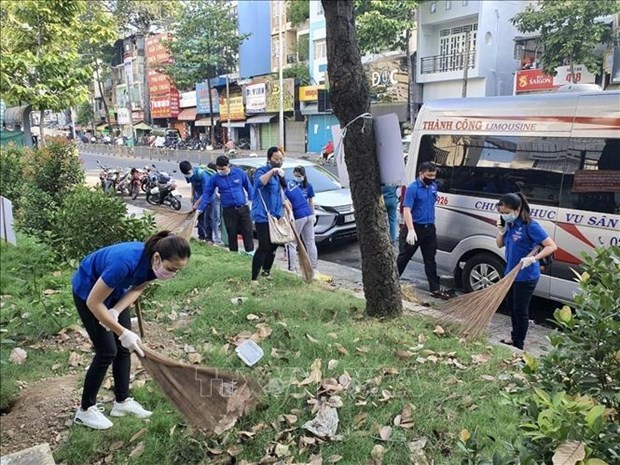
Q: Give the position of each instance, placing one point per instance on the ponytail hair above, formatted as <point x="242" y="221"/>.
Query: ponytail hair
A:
<point x="517" y="201"/>
<point x="168" y="245"/>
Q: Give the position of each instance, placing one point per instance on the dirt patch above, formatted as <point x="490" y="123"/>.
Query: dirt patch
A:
<point x="42" y="413"/>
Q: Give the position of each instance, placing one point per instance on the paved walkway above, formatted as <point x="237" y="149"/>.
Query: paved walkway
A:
<point x="346" y="277"/>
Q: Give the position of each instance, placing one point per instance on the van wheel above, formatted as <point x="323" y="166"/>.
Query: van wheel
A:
<point x="482" y="270"/>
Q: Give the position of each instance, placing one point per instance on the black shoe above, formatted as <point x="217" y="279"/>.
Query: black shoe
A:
<point x="443" y="295"/>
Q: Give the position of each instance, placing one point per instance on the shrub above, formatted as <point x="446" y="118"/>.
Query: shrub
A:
<point x="88" y="220"/>
<point x="12" y="159"/>
<point x="55" y="168"/>
<point x="35" y="215"/>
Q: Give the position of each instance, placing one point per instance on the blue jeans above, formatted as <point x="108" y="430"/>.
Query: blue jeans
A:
<point x="518" y="304"/>
<point x="202" y="225"/>
<point x="212" y="222"/>
<point x="391" y="206"/>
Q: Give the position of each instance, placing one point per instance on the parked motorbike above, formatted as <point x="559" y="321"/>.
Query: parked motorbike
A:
<point x="122" y="182"/>
<point x="138" y="179"/>
<point x="107" y="177"/>
<point x="165" y="192"/>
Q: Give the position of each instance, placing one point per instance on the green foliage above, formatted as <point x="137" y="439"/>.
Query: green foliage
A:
<point x="85" y="115"/>
<point x="303" y="47"/>
<point x="297" y="71"/>
<point x="36" y="211"/>
<point x="76" y="231"/>
<point x="55" y="169"/>
<point x="142" y="15"/>
<point x="383" y="25"/>
<point x="297" y="11"/>
<point x="12" y="172"/>
<point x="40" y="46"/>
<point x="569" y="30"/>
<point x="205" y="42"/>
<point x="8" y="394"/>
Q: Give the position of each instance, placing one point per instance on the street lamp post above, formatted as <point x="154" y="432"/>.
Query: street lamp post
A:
<point x="228" y="132"/>
<point x="280" y="69"/>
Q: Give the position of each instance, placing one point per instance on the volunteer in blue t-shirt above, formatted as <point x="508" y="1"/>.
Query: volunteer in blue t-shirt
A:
<point x="202" y="202"/>
<point x="301" y="193"/>
<point x="106" y="284"/>
<point x="267" y="193"/>
<point x="520" y="234"/>
<point x="419" y="229"/>
<point x="234" y="187"/>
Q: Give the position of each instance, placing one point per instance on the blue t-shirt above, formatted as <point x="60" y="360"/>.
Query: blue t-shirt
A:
<point x="231" y="188"/>
<point x="421" y="199"/>
<point x="121" y="266"/>
<point x="520" y="239"/>
<point x="308" y="190"/>
<point x="295" y="194"/>
<point x="199" y="181"/>
<point x="271" y="195"/>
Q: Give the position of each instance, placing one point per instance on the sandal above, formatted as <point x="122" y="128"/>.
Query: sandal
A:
<point x="508" y="342"/>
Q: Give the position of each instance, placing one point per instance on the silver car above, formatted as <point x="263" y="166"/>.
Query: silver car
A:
<point x="335" y="217"/>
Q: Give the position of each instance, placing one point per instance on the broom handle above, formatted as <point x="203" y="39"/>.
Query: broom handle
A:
<point x="138" y="307"/>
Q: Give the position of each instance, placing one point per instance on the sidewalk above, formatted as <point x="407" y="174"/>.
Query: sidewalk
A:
<point x="349" y="278"/>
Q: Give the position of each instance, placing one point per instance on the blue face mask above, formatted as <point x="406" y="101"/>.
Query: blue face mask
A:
<point x="509" y="217"/>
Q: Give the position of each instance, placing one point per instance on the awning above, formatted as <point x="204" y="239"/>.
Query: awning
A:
<point x="14" y="115"/>
<point x="234" y="124"/>
<point x="206" y="121"/>
<point x="142" y="127"/>
<point x="260" y="119"/>
<point x="188" y="114"/>
<point x="310" y="109"/>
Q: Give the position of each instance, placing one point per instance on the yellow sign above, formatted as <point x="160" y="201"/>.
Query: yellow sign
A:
<point x="236" y="108"/>
<point x="309" y="93"/>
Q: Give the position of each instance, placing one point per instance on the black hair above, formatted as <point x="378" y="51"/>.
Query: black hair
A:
<point x="517" y="201"/>
<point x="428" y="166"/>
<point x="169" y="246"/>
<point x="222" y="161"/>
<point x="211" y="166"/>
<point x="271" y="151"/>
<point x="301" y="170"/>
<point x="185" y="166"/>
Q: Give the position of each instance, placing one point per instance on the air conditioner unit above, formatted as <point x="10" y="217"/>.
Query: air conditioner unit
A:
<point x="291" y="59"/>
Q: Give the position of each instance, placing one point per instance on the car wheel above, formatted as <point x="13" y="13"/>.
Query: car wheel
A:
<point x="482" y="270"/>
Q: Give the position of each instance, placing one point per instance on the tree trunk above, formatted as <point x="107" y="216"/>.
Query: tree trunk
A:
<point x="349" y="98"/>
<point x="105" y="104"/>
<point x="41" y="129"/>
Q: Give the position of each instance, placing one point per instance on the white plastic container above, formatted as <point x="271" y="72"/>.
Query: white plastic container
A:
<point x="250" y="352"/>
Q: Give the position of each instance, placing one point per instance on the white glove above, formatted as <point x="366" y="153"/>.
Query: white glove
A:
<point x="411" y="237"/>
<point x="199" y="212"/>
<point x="131" y="341"/>
<point x="279" y="172"/>
<point x="527" y="261"/>
<point x="114" y="314"/>
<point x="500" y="228"/>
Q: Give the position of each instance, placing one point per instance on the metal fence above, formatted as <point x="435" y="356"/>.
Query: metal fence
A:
<point x="151" y="153"/>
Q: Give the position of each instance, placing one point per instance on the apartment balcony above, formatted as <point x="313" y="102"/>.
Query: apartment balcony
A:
<point x="447" y="63"/>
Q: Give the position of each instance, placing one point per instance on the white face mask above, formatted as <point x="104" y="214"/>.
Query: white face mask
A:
<point x="299" y="179"/>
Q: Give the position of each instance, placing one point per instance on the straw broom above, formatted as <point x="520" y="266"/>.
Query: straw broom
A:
<point x="175" y="221"/>
<point x="470" y="314"/>
<point x="302" y="256"/>
<point x="209" y="399"/>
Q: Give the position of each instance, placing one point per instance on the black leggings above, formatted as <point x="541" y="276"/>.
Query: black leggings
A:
<point x="518" y="305"/>
<point x="266" y="252"/>
<point x="108" y="351"/>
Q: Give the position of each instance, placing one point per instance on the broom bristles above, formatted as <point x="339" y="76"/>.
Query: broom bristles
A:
<point x="470" y="314"/>
<point x="302" y="257"/>
<point x="208" y="398"/>
<point x="188" y="229"/>
<point x="182" y="223"/>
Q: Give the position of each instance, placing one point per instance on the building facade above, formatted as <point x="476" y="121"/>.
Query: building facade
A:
<point x="255" y="51"/>
<point x="463" y="43"/>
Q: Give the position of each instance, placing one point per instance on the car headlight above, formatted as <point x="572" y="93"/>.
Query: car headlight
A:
<point x="324" y="219"/>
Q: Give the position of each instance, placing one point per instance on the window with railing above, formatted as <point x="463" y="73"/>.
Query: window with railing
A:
<point x="457" y="49"/>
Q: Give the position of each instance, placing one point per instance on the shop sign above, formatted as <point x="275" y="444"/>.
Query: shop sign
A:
<point x="388" y="80"/>
<point x="580" y="75"/>
<point x="309" y="93"/>
<point x="255" y="98"/>
<point x="155" y="51"/>
<point x="236" y="107"/>
<point x="272" y="89"/>
<point x="122" y="115"/>
<point x="165" y="106"/>
<point x="187" y="99"/>
<point x="158" y="83"/>
<point x="528" y="80"/>
<point x="202" y="99"/>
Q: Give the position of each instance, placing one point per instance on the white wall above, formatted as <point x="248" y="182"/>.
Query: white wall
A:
<point x="453" y="89"/>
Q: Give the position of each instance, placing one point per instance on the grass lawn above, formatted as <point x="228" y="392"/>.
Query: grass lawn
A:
<point x="394" y="365"/>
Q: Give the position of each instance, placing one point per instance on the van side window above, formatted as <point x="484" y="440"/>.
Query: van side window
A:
<point x="489" y="166"/>
<point x="592" y="176"/>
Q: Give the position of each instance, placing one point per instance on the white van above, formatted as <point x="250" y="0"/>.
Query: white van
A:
<point x="561" y="150"/>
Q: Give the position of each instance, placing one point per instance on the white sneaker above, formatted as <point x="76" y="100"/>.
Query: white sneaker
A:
<point x="120" y="409"/>
<point x="92" y="417"/>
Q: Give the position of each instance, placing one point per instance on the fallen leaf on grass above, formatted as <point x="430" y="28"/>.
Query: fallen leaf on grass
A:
<point x="18" y="356"/>
<point x="137" y="451"/>
<point x="334" y="458"/>
<point x="362" y="350"/>
<point x="252" y="317"/>
<point x="311" y="339"/>
<point x="315" y="374"/>
<point x="282" y="450"/>
<point x="377" y="453"/>
<point x="439" y="331"/>
<point x="189" y="349"/>
<point x="137" y="435"/>
<point x="341" y="349"/>
<point x="315" y="460"/>
<point x="238" y="300"/>
<point x="405" y="418"/>
<point x="390" y="371"/>
<point x="421" y="338"/>
<point x="569" y="453"/>
<point x="49" y="292"/>
<point x="404" y="354"/>
<point x="195" y="358"/>
<point x="488" y="377"/>
<point x="464" y="435"/>
<point x="332" y="364"/>
<point x="481" y="358"/>
<point x="385" y="432"/>
<point x="235" y="450"/>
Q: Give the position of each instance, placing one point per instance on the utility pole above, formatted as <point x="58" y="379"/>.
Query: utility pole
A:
<point x="280" y="66"/>
<point x="129" y="106"/>
<point x="466" y="64"/>
<point x="228" y="132"/>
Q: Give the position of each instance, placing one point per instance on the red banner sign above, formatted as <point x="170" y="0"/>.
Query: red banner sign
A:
<point x="155" y="51"/>
<point x="532" y="80"/>
<point x="165" y="106"/>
